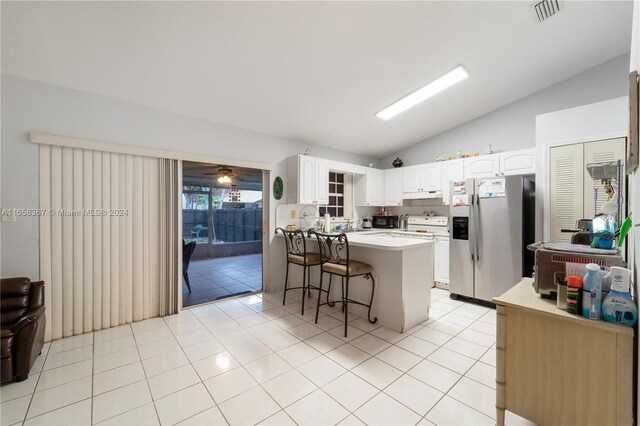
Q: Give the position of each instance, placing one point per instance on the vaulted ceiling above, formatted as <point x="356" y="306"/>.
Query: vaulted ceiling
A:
<point x="311" y="71"/>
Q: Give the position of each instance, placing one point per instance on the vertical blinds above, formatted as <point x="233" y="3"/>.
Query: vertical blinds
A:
<point x="108" y="238"/>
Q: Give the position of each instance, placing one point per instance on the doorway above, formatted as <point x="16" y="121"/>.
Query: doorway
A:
<point x="222" y="215"/>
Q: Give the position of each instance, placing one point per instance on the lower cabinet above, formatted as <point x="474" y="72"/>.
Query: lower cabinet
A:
<point x="441" y="261"/>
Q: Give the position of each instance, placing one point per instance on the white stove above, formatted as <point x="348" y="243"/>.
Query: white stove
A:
<point x="435" y="225"/>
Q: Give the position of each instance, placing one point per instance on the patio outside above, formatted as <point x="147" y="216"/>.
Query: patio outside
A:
<point x="222" y="213"/>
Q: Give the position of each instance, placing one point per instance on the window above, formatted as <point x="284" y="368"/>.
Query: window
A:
<point x="336" y="206"/>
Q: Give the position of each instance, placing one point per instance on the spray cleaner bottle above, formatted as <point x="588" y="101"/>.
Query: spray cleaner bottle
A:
<point x="592" y="292"/>
<point x="618" y="306"/>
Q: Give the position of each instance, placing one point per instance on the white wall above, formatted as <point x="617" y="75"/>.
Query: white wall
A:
<point x="513" y="126"/>
<point x="29" y="106"/>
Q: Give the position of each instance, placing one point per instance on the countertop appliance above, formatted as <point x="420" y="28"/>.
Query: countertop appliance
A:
<point x="492" y="222"/>
<point x="436" y="225"/>
<point x="386" y="222"/>
<point x="548" y="262"/>
<point x="366" y="223"/>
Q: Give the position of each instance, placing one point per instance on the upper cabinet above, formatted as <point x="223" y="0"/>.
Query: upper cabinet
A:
<point x="309" y="178"/>
<point x="309" y="182"/>
<point x="421" y="180"/>
<point x="521" y="162"/>
<point x="482" y="166"/>
<point x="451" y="170"/>
<point x="393" y="187"/>
<point x="369" y="188"/>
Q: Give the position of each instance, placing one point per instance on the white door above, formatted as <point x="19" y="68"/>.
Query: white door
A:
<point x="393" y="187"/>
<point x="442" y="260"/>
<point x="451" y="170"/>
<point x="518" y="162"/>
<point x="321" y="182"/>
<point x="431" y="177"/>
<point x="566" y="189"/>
<point x="599" y="152"/>
<point x="482" y="166"/>
<point x="375" y="183"/>
<point x="412" y="179"/>
<point x="306" y="179"/>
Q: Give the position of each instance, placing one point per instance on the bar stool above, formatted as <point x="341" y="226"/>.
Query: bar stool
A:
<point x="297" y="254"/>
<point x="334" y="253"/>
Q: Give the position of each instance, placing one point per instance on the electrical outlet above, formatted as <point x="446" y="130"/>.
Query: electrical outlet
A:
<point x="293" y="214"/>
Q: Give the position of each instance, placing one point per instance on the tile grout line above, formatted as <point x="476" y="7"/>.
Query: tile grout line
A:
<point x="296" y="368"/>
<point x="24" y="418"/>
<point x="216" y="405"/>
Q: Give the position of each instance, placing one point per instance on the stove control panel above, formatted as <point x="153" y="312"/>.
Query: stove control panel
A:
<point x="429" y="220"/>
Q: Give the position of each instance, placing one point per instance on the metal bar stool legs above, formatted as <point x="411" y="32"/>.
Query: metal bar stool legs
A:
<point x="286" y="284"/>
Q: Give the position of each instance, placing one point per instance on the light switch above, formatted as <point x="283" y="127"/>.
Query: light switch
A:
<point x="293" y="214"/>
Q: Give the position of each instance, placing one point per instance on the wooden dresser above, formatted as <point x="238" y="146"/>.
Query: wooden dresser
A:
<point x="555" y="368"/>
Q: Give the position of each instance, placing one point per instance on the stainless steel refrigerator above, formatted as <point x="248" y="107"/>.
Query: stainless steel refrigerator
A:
<point x="492" y="221"/>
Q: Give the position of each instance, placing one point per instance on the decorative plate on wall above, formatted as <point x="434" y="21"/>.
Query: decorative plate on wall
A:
<point x="278" y="187"/>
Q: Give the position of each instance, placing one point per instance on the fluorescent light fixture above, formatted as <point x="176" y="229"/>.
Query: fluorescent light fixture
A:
<point x="452" y="77"/>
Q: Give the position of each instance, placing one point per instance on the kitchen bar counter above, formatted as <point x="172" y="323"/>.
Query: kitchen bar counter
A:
<point x="402" y="268"/>
<point x="383" y="240"/>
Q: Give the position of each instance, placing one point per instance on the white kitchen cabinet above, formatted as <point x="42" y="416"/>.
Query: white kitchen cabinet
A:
<point x="522" y="162"/>
<point x="309" y="180"/>
<point x="412" y="179"/>
<point x="451" y="170"/>
<point x="369" y="188"/>
<point x="393" y="187"/>
<point x="441" y="260"/>
<point x="482" y="166"/>
<point x="422" y="179"/>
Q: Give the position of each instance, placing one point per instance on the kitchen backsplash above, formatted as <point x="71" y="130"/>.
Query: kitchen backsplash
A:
<point x="283" y="212"/>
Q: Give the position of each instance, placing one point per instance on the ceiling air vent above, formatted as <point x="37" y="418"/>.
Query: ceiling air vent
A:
<point x="545" y="9"/>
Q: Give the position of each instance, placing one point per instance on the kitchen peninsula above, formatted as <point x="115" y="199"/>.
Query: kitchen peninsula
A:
<point x="402" y="268"/>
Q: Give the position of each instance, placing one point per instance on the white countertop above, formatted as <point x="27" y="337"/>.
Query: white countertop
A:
<point x="383" y="239"/>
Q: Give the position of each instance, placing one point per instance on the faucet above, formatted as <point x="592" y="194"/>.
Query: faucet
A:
<point x="348" y="226"/>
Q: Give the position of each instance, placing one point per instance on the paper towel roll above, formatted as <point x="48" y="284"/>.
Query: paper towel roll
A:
<point x="327" y="222"/>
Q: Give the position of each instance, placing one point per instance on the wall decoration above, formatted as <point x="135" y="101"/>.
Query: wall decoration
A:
<point x="632" y="141"/>
<point x="278" y="188"/>
<point x="397" y="162"/>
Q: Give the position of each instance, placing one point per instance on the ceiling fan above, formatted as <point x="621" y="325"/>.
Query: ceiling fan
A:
<point x="224" y="175"/>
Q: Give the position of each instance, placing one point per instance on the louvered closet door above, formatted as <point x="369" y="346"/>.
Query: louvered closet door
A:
<point x="599" y="152"/>
<point x="566" y="189"/>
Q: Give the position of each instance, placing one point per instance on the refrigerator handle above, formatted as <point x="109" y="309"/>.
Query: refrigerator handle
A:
<point x="476" y="237"/>
<point x="471" y="236"/>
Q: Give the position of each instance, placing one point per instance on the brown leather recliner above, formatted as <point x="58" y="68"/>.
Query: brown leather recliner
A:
<point x="23" y="321"/>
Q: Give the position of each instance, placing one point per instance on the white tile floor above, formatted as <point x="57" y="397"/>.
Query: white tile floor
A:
<point x="253" y="361"/>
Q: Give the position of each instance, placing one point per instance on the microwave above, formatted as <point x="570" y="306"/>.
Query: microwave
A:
<point x="387" y="222"/>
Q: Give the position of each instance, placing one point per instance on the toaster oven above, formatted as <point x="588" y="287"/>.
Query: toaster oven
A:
<point x="548" y="262"/>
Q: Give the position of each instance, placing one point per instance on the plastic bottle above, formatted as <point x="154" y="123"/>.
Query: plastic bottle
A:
<point x="618" y="306"/>
<point x="592" y="292"/>
<point x="574" y="295"/>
